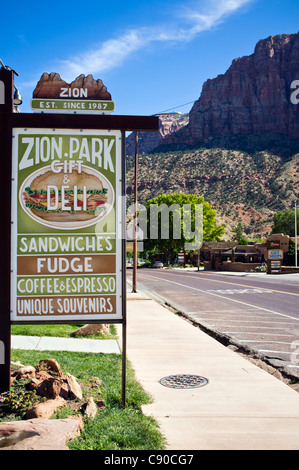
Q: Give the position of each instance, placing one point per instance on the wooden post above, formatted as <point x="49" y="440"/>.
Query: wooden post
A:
<point x="6" y="110"/>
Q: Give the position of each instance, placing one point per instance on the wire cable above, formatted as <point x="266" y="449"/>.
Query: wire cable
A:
<point x="175" y="107"/>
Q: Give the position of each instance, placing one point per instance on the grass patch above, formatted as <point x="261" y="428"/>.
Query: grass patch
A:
<point x="120" y="430"/>
<point x="114" y="428"/>
<point x="65" y="331"/>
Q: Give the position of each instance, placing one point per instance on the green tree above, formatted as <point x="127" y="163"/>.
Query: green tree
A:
<point x="290" y="255"/>
<point x="284" y="222"/>
<point x="171" y="235"/>
<point x="239" y="235"/>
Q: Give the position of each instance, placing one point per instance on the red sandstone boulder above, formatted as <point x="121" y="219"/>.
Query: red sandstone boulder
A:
<point x="45" y="409"/>
<point x="39" y="434"/>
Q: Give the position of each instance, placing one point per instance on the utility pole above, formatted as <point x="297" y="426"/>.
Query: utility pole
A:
<point x="296" y="261"/>
<point x="135" y="217"/>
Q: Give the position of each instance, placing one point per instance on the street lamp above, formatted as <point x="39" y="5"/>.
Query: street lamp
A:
<point x="17" y="99"/>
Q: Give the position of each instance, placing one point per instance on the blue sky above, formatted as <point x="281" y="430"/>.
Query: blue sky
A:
<point x="152" y="55"/>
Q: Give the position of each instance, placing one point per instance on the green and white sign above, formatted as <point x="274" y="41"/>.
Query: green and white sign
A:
<point x="66" y="225"/>
<point x="72" y="106"/>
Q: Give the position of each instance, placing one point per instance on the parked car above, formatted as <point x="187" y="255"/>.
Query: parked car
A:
<point x="158" y="264"/>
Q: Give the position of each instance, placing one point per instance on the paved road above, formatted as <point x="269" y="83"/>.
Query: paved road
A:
<point x="258" y="311"/>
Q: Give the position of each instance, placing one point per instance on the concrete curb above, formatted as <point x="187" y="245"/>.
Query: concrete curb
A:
<point x="48" y="343"/>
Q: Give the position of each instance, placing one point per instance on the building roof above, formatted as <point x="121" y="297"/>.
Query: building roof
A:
<point x="219" y="246"/>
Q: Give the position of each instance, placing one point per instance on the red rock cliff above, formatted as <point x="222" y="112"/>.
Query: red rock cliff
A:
<point x="169" y="124"/>
<point x="252" y="97"/>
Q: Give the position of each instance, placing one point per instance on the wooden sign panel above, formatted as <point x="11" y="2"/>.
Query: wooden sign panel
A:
<point x="66" y="230"/>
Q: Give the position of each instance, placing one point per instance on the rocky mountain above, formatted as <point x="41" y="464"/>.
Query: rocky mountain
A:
<point x="240" y="148"/>
<point x="169" y="124"/>
<point x="253" y="96"/>
<point x="242" y="186"/>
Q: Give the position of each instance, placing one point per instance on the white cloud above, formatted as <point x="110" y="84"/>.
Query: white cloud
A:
<point x="110" y="54"/>
<point x="209" y="17"/>
<point x="113" y="52"/>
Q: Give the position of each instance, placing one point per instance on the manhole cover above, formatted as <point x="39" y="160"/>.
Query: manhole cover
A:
<point x="183" y="381"/>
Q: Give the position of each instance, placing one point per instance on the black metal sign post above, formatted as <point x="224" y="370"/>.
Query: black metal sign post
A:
<point x="10" y="121"/>
<point x="124" y="278"/>
<point x="6" y="109"/>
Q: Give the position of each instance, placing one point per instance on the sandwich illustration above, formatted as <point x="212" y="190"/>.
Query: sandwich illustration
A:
<point x="71" y="197"/>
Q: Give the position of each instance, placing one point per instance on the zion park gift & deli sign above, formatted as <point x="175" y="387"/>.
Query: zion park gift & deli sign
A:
<point x="65" y="189"/>
<point x="66" y="240"/>
<point x="62" y="243"/>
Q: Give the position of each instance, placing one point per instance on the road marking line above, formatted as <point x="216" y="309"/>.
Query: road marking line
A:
<point x="263" y="342"/>
<point x="226" y="298"/>
<point x="276" y="352"/>
<point x="226" y="312"/>
<point x="266" y="327"/>
<point x="253" y="333"/>
<point x="249" y="319"/>
<point x="246" y="321"/>
<point x="235" y="284"/>
<point x="239" y="291"/>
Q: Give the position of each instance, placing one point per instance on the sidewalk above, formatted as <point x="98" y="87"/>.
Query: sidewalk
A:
<point x="241" y="407"/>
